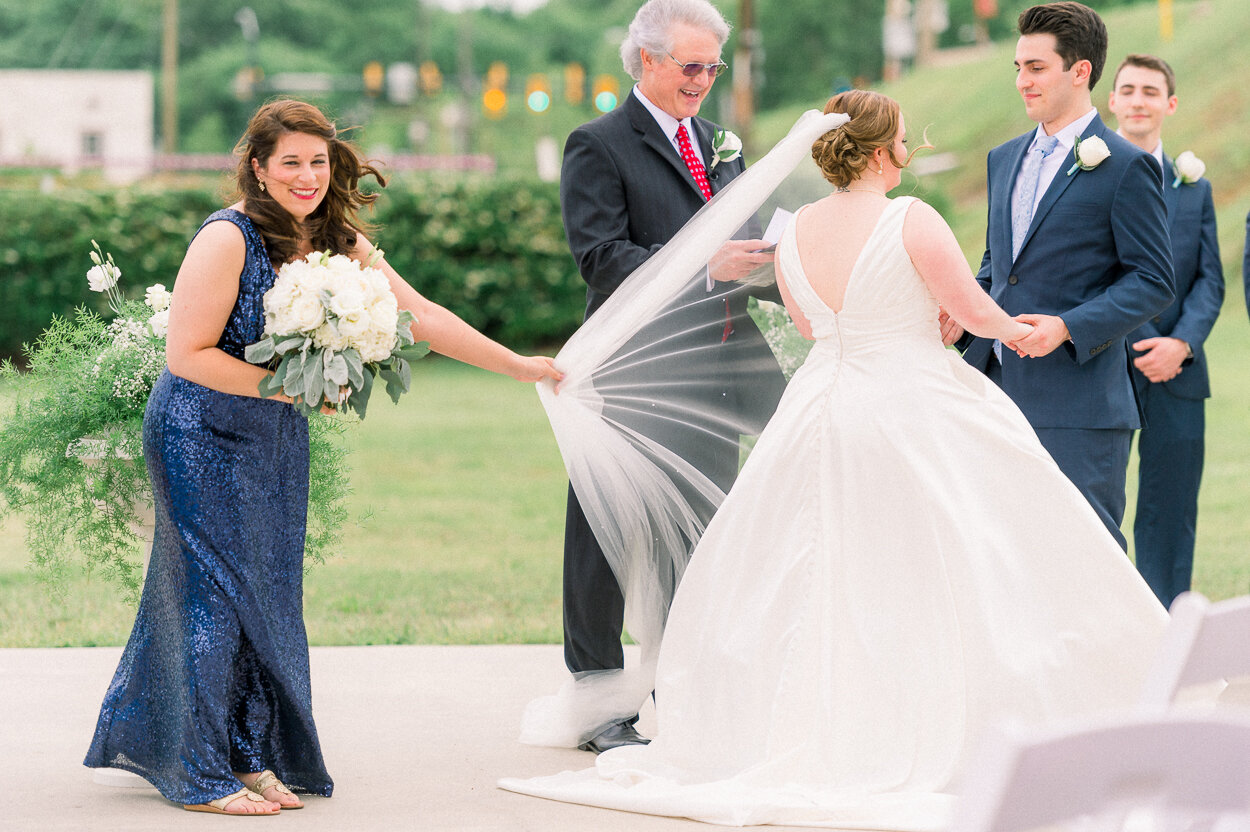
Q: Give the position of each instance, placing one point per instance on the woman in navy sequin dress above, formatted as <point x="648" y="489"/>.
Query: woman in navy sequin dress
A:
<point x="211" y="702"/>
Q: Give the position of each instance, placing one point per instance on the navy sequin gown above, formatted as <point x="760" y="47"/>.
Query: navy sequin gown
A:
<point x="215" y="677"/>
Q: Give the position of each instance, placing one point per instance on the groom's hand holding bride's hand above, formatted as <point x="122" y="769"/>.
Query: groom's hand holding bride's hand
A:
<point x="736" y="259"/>
<point x="951" y="330"/>
<point x="1049" y="331"/>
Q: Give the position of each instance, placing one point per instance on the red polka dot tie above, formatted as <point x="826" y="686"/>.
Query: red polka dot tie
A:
<point x="692" y="161"/>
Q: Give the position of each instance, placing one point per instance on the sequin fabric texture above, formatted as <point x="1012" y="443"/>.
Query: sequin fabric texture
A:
<point x="214" y="678"/>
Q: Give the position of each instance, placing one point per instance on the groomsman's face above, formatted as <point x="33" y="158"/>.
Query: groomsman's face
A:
<point x="1052" y="94"/>
<point x="1140" y="102"/>
<point x="663" y="82"/>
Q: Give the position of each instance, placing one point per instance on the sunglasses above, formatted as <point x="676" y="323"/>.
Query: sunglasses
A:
<point x="691" y="70"/>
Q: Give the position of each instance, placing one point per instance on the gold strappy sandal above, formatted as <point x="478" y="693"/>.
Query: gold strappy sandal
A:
<point x="269" y="780"/>
<point x="218" y="806"/>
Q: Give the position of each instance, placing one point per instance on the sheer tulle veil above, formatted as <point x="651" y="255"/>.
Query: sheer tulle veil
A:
<point x="646" y="500"/>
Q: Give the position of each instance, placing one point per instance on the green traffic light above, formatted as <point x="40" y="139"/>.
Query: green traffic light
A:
<point x="605" y="101"/>
<point x="538" y="101"/>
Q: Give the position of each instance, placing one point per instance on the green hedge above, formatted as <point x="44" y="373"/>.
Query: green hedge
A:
<point x="490" y="249"/>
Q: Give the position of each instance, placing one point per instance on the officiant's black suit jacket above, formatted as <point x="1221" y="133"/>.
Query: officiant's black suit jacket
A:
<point x="624" y="193"/>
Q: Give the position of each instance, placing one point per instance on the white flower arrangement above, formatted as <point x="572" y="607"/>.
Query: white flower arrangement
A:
<point x="726" y="147"/>
<point x="1189" y="169"/>
<point x="1089" y="153"/>
<point x="331" y="325"/>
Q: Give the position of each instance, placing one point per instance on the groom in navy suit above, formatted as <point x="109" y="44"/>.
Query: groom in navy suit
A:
<point x="1170" y="367"/>
<point x="1077" y="247"/>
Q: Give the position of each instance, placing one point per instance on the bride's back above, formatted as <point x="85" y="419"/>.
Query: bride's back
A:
<point x="830" y="235"/>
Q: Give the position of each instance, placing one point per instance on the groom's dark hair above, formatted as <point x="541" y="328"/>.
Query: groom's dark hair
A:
<point x="1080" y="34"/>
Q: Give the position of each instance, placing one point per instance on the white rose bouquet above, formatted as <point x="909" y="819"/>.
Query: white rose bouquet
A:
<point x="331" y="326"/>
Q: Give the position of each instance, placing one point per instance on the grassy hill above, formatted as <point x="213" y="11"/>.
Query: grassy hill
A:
<point x="971" y="105"/>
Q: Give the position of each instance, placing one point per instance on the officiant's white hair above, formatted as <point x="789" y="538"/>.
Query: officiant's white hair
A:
<point x="651" y="29"/>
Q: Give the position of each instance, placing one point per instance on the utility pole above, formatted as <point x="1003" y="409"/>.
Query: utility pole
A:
<point x="169" y="79"/>
<point x="743" y="84"/>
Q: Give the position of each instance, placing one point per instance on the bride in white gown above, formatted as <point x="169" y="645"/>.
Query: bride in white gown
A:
<point x="899" y="565"/>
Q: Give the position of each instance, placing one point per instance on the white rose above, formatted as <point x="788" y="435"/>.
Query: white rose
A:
<point x="306" y="314"/>
<point x="727" y="147"/>
<point x="385" y="315"/>
<point x="347" y="300"/>
<point x="376" y="346"/>
<point x="159" y="322"/>
<point x="1189" y="168"/>
<point x="103" y="277"/>
<point x="1091" y="152"/>
<point x="356" y="326"/>
<point x="329" y="337"/>
<point x="157" y="297"/>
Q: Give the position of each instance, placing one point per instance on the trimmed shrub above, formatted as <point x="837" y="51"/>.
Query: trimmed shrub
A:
<point x="490" y="249"/>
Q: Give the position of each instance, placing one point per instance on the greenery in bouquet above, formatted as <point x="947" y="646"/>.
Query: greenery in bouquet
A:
<point x="71" y="448"/>
<point x="331" y="326"/>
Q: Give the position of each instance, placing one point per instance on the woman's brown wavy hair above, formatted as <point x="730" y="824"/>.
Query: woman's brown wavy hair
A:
<point x="335" y="223"/>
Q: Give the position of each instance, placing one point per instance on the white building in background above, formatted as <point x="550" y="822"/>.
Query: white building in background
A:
<point x="76" y="119"/>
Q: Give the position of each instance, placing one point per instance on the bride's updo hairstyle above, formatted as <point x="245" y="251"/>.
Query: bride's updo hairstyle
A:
<point x="844" y="152"/>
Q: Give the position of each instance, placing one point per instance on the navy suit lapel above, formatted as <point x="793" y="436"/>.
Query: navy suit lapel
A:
<point x="654" y="137"/>
<point x="1061" y="182"/>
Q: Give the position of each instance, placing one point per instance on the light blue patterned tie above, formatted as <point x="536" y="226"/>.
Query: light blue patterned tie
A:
<point x="1026" y="190"/>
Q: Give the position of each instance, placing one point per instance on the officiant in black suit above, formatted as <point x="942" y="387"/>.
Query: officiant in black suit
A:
<point x="630" y="180"/>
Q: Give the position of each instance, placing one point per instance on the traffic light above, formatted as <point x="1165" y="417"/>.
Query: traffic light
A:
<point x="431" y="78"/>
<point x="495" y="96"/>
<point x="537" y="93"/>
<point x="374" y="77"/>
<point x="605" y="91"/>
<point x="574" y="83"/>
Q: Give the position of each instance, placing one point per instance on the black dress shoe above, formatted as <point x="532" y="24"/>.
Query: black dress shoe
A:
<point x="614" y="736"/>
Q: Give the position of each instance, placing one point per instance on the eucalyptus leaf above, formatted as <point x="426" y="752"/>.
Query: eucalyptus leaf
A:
<point x="336" y="369"/>
<point x="286" y="343"/>
<point x="355" y="368"/>
<point x="261" y="352"/>
<point x="394" y="384"/>
<point x="292" y="367"/>
<point x="414" y="352"/>
<point x="311" y="383"/>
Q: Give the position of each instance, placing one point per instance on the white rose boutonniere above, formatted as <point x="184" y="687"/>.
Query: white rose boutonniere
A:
<point x="727" y="147"/>
<point x="1089" y="154"/>
<point x="1189" y="169"/>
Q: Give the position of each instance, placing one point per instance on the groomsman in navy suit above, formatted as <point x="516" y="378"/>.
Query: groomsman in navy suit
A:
<point x="1170" y="367"/>
<point x="1077" y="246"/>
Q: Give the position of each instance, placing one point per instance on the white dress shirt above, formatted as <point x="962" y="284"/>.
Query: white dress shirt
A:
<point x="669" y="125"/>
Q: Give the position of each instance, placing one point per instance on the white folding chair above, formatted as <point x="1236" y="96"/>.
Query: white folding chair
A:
<point x="1204" y="643"/>
<point x="1159" y="772"/>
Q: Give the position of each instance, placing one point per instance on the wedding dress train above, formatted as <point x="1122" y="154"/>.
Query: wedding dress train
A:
<point x="899" y="565"/>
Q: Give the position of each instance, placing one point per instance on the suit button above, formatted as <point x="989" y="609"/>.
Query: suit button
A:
<point x="1158" y="319"/>
<point x="1013" y="280"/>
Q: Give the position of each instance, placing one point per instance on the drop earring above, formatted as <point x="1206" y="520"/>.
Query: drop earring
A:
<point x="261" y="184"/>
<point x="880" y="170"/>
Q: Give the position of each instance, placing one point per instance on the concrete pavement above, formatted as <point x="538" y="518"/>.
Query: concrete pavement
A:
<point x="414" y="736"/>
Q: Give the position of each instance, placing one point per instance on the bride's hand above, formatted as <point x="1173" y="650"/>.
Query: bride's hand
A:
<point x="951" y="330"/>
<point x="1022" y="331"/>
<point x="736" y="259"/>
<point x="536" y="368"/>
